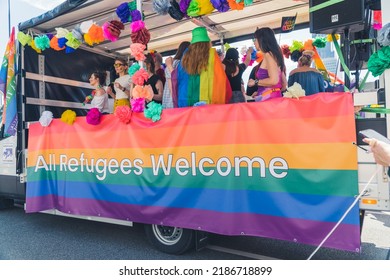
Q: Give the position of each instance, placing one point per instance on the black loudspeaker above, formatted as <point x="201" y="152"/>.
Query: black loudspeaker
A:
<point x="335" y="18"/>
<point x="360" y="49"/>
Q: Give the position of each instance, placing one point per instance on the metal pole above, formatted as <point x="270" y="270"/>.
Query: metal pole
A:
<point x="347" y="58"/>
<point x="9" y="18"/>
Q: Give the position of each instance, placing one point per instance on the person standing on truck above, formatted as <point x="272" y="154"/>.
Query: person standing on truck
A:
<point x="234" y="72"/>
<point x="200" y="74"/>
<point x="309" y="78"/>
<point x="121" y="84"/>
<point x="100" y="97"/>
<point x="171" y="64"/>
<point x="158" y="60"/>
<point x="270" y="77"/>
<point x="154" y="80"/>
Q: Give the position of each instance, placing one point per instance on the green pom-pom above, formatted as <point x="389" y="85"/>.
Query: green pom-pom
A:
<point x="42" y="42"/>
<point x="319" y="42"/>
<point x="379" y="61"/>
<point x="296" y="46"/>
<point x="72" y="41"/>
<point x="153" y="111"/>
<point x="193" y="9"/>
<point x="132" y="5"/>
<point x="133" y="68"/>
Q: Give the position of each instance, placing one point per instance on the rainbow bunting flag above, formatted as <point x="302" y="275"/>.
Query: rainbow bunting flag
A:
<point x="283" y="169"/>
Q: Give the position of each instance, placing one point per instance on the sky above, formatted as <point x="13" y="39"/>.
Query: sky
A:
<point x="20" y="10"/>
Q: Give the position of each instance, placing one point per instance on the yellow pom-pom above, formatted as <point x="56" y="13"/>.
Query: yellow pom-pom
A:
<point x="68" y="117"/>
<point x="34" y="47"/>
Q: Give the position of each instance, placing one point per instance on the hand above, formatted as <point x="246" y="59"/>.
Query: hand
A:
<point x="118" y="85"/>
<point x="250" y="50"/>
<point x="168" y="61"/>
<point x="251" y="83"/>
<point x="380" y="150"/>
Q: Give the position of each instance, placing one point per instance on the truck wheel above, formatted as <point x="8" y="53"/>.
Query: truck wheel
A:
<point x="6" y="203"/>
<point x="171" y="240"/>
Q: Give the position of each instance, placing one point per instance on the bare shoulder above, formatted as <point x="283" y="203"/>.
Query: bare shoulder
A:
<point x="100" y="91"/>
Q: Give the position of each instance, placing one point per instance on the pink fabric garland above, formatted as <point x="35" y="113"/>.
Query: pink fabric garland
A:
<point x="93" y="116"/>
<point x="145" y="92"/>
<point x="137" y="26"/>
<point x="140" y="77"/>
<point x="123" y="113"/>
<point x="137" y="105"/>
<point x="136" y="50"/>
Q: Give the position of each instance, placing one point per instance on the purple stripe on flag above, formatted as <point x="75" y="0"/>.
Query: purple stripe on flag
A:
<point x="296" y="230"/>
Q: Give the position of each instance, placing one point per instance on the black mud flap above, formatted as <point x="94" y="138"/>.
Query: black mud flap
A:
<point x="201" y="240"/>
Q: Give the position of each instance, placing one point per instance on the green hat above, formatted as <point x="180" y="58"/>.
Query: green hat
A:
<point x="199" y="34"/>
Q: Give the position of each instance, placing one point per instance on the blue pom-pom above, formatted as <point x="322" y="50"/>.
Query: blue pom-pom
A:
<point x="123" y="12"/>
<point x="220" y="5"/>
<point x="62" y="42"/>
<point x="253" y="55"/>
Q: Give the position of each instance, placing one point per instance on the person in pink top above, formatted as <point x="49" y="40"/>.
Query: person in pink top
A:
<point x="270" y="78"/>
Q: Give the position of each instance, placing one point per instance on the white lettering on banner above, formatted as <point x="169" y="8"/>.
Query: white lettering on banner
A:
<point x="163" y="164"/>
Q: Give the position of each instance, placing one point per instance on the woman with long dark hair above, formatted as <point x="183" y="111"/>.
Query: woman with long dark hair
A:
<point x="234" y="72"/>
<point x="270" y="77"/>
<point x="154" y="80"/>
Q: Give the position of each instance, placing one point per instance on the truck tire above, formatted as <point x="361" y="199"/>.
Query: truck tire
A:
<point x="6" y="203"/>
<point x="170" y="240"/>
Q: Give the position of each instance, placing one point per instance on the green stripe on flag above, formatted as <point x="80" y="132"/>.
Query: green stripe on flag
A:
<point x="304" y="181"/>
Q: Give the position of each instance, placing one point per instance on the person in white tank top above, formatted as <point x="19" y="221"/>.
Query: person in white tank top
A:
<point x="121" y="84"/>
<point x="100" y="97"/>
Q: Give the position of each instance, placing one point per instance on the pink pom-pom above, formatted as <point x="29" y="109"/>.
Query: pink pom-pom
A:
<point x="136" y="50"/>
<point x="108" y="34"/>
<point x="137" y="105"/>
<point x="123" y="113"/>
<point x="145" y="92"/>
<point x="140" y="77"/>
<point x="93" y="116"/>
<point x="137" y="26"/>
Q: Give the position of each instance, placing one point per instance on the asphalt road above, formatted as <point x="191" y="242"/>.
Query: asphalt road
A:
<point x="47" y="237"/>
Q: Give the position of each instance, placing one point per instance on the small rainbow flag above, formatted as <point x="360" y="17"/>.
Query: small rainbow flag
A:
<point x="282" y="169"/>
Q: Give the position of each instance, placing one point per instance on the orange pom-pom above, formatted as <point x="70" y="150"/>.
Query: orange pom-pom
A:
<point x="236" y="6"/>
<point x="95" y="33"/>
<point x="54" y="44"/>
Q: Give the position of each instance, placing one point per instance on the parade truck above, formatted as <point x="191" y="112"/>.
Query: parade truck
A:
<point x="284" y="169"/>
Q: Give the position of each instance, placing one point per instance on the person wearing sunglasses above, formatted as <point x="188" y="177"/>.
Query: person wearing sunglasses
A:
<point x="121" y="84"/>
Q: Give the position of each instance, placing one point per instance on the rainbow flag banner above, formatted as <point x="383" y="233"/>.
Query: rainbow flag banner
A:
<point x="283" y="169"/>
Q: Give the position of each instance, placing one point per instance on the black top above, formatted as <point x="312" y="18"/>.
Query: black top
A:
<point x="235" y="82"/>
<point x="152" y="81"/>
<point x="252" y="90"/>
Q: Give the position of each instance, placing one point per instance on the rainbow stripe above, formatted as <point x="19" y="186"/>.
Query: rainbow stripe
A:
<point x="188" y="170"/>
<point x="211" y="86"/>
